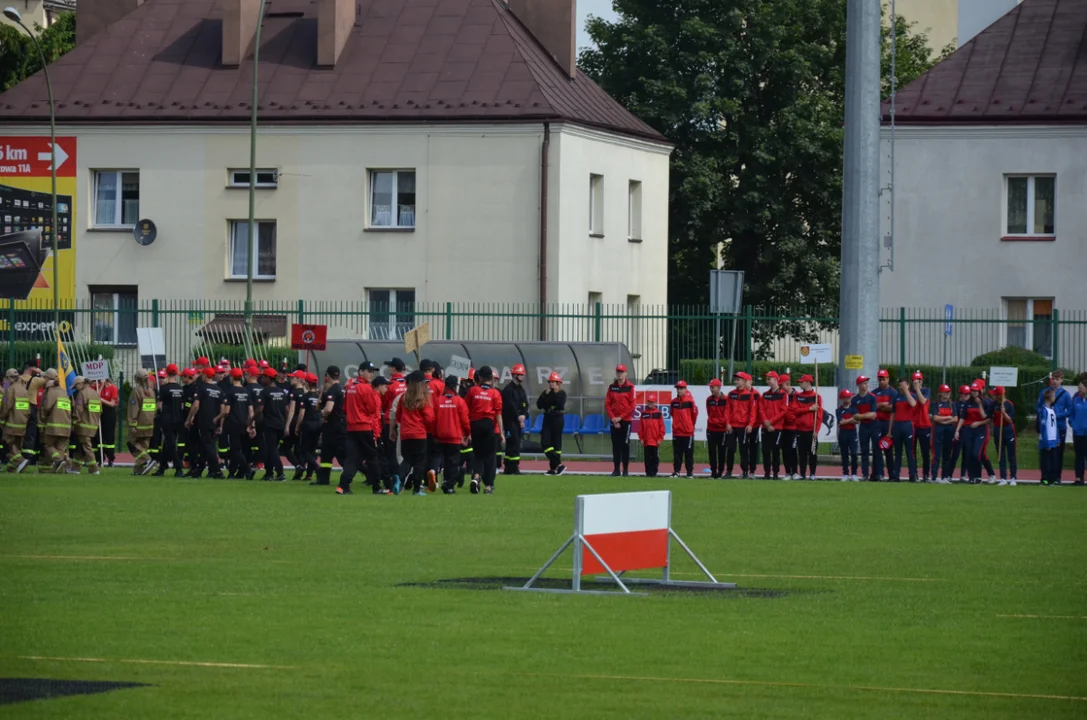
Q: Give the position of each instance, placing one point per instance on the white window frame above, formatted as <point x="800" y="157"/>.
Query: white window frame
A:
<point x="395" y="208"/>
<point x="1031" y="200"/>
<point x="596" y="205"/>
<point x="1028" y="321"/>
<point x="115" y="311"/>
<point x="393" y="329"/>
<point x="634" y="211"/>
<point x="119" y="174"/>
<point x="233" y="181"/>
<point x="255" y="259"/>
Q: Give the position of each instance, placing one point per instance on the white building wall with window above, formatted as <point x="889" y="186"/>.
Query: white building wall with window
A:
<point x="450" y="213"/>
<point x="963" y="198"/>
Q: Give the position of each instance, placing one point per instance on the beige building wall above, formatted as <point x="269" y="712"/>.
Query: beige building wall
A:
<point x="33" y="12"/>
<point x="938" y="19"/>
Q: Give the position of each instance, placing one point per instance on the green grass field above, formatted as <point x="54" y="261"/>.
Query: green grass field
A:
<point x="894" y="601"/>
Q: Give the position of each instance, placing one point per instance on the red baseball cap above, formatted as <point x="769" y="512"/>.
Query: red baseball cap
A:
<point x="977" y="385"/>
<point x="944" y="388"/>
<point x="209" y="372"/>
<point x="250" y="363"/>
<point x="263" y="364"/>
<point x="201" y="362"/>
<point x="883" y="374"/>
<point x="771" y="374"/>
<point x="807" y="378"/>
<point x="171" y="369"/>
<point x="862" y="379"/>
<point x="715" y="383"/>
<point x="980" y="382"/>
<point x="964" y="389"/>
<point x="845" y="394"/>
<point x="270" y="372"/>
<point x="681" y="384"/>
<point x="917" y="375"/>
<point x="784" y="378"/>
<point x="998" y="390"/>
<point x="554" y="377"/>
<point x="237" y="373"/>
<point x="620" y="368"/>
<point x="252" y="372"/>
<point x="188" y="372"/>
<point x="311" y="378"/>
<point x="162" y="373"/>
<point x="224" y="361"/>
<point x="298" y="374"/>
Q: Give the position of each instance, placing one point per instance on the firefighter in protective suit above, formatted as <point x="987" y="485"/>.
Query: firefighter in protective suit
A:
<point x="54" y="423"/>
<point x="15" y="416"/>
<point x="514" y="412"/>
<point x="85" y="424"/>
<point x="142" y="408"/>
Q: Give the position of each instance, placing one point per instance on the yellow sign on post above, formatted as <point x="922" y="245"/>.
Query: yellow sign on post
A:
<point x="854" y="362"/>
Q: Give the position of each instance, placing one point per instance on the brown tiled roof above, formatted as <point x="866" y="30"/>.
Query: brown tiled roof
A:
<point x="1030" y="66"/>
<point x="406" y="61"/>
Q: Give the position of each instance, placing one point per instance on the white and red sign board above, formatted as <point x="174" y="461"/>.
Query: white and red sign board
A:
<point x="96" y="369"/>
<point x="628" y="530"/>
<point x="664" y="394"/>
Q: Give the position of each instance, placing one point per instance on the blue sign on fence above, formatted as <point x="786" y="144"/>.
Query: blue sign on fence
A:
<point x="949" y="315"/>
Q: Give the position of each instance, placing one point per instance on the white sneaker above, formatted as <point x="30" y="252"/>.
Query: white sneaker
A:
<point x="845" y="478"/>
<point x="992" y="479"/>
<point x="786" y="477"/>
<point x="812" y="476"/>
<point x="1001" y="482"/>
<point x="1012" y="482"/>
<point x="855" y="478"/>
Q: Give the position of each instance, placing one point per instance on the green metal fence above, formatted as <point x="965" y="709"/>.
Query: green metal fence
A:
<point x="659" y="338"/>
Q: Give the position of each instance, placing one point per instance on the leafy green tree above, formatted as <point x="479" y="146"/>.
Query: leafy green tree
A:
<point x="751" y="92"/>
<point x="19" y="58"/>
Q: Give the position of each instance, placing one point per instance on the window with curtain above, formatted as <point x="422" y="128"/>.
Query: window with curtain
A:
<point x="1031" y="206"/>
<point x="1030" y="324"/>
<point x="116" y="198"/>
<point x="115" y="315"/>
<point x="392" y="198"/>
<point x="264" y="265"/>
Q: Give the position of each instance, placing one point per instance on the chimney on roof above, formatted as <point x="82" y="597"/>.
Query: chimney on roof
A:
<point x="239" y="28"/>
<point x="94" y="16"/>
<point x="554" y="24"/>
<point x="335" y="19"/>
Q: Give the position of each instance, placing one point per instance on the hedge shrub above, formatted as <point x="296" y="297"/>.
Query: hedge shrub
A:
<point x="26" y="351"/>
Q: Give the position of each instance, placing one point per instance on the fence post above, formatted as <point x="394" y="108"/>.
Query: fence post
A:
<point x="301" y="311"/>
<point x="1056" y="363"/>
<point x="597" y="329"/>
<point x="902" y="342"/>
<point x="155" y="313"/>
<point x="749" y="333"/>
<point x="449" y="321"/>
<point x="11" y="333"/>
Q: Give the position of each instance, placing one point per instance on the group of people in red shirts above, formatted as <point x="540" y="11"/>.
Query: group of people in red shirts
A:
<point x="414" y="427"/>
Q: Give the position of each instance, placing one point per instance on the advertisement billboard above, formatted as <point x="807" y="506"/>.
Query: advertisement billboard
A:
<point x="26" y="219"/>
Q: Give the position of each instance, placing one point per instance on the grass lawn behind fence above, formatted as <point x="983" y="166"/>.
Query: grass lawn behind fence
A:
<point x="266" y="600"/>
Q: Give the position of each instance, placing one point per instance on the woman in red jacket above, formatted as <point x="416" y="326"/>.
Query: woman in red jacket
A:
<point x="684" y="413"/>
<point x="808" y="415"/>
<point x="716" y="428"/>
<point x="414" y="421"/>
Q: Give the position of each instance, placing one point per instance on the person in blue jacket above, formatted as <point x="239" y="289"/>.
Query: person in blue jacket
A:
<point x="1078" y="421"/>
<point x="1062" y="407"/>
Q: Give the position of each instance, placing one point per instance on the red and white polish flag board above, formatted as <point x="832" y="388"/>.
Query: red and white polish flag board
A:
<point x="629" y="531"/>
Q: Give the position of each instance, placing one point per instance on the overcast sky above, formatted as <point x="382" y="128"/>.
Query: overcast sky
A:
<point x="585" y="8"/>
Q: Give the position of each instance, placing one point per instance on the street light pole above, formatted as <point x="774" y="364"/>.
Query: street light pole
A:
<point x="12" y="14"/>
<point x="250" y="257"/>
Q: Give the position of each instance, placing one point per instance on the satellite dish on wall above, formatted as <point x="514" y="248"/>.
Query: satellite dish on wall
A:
<point x="145" y="232"/>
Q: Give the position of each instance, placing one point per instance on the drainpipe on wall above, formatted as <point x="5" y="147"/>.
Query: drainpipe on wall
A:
<point x="545" y="151"/>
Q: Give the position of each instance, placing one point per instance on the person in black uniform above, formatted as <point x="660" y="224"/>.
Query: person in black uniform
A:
<point x="223" y="380"/>
<point x="171" y="414"/>
<point x="308" y="427"/>
<point x="190" y="382"/>
<point x="237" y="415"/>
<point x="553" y="403"/>
<point x="334" y="430"/>
<point x="295" y="388"/>
<point x="107" y="434"/>
<point x="276" y="404"/>
<point x="204" y="415"/>
<point x="256" y="395"/>
<point x="514" y="412"/>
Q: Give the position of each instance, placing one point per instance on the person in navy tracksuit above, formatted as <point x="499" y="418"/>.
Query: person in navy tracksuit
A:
<point x="864" y="412"/>
<point x="885" y="395"/>
<point x="1003" y="414"/>
<point x="975" y="417"/>
<point x="944" y="416"/>
<point x="1078" y="420"/>
<point x="922" y="425"/>
<point x="847" y="435"/>
<point x="902" y="410"/>
<point x="1062" y="408"/>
